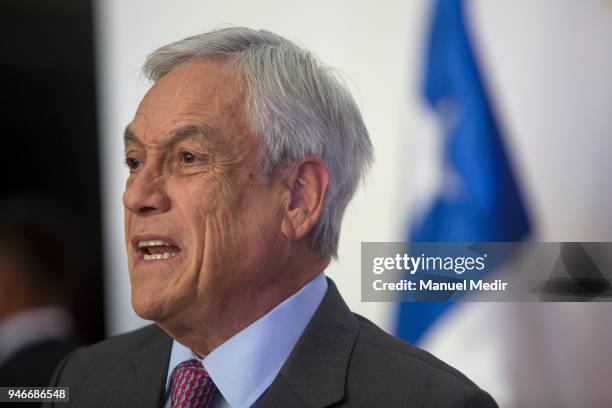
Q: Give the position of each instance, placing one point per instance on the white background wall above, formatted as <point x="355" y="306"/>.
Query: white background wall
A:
<point x="549" y="64"/>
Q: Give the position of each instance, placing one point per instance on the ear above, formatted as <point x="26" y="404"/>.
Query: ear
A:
<point x="307" y="183"/>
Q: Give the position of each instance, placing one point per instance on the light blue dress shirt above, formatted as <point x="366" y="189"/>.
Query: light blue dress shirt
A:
<point x="245" y="365"/>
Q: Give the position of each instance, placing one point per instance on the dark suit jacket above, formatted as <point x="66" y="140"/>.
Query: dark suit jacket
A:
<point x="341" y="360"/>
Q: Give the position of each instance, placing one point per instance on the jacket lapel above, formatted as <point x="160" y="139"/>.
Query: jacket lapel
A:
<point x="147" y="386"/>
<point x="314" y="375"/>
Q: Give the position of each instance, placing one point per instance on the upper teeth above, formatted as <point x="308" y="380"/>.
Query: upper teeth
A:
<point x="143" y="244"/>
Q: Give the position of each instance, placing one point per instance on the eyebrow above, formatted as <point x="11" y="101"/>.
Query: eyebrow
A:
<point x="202" y="132"/>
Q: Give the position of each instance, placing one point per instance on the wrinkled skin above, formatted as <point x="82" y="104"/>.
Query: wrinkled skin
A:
<point x="201" y="189"/>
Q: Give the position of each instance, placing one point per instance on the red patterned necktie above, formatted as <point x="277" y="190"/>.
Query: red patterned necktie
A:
<point x="192" y="387"/>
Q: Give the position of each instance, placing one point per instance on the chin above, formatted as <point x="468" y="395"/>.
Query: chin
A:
<point x="146" y="311"/>
<point x="147" y="306"/>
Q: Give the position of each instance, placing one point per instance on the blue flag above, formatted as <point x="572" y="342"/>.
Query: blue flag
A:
<point x="480" y="200"/>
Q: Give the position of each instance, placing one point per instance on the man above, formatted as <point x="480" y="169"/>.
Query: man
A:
<point x="243" y="156"/>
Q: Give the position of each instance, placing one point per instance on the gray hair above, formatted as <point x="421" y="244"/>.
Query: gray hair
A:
<point x="296" y="105"/>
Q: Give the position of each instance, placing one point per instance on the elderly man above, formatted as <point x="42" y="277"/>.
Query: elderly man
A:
<point x="242" y="157"/>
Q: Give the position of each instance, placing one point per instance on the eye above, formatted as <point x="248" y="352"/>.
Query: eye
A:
<point x="132" y="163"/>
<point x="186" y="163"/>
<point x="187" y="158"/>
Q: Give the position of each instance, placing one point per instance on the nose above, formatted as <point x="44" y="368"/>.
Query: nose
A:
<point x="145" y="194"/>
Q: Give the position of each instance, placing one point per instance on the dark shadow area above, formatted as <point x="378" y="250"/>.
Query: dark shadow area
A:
<point x="50" y="142"/>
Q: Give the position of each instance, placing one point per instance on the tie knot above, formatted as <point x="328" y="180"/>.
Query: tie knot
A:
<point x="192" y="364"/>
<point x="192" y="386"/>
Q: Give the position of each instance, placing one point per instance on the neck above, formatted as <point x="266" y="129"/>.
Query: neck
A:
<point x="216" y="322"/>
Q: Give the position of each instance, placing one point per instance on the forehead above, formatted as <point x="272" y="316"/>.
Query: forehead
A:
<point x="207" y="92"/>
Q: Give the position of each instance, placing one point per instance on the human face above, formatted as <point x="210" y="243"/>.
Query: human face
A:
<point x="194" y="185"/>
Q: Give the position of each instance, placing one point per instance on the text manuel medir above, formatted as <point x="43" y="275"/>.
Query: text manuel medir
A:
<point x="430" y="285"/>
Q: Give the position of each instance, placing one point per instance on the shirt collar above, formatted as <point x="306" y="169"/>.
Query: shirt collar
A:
<point x="245" y="365"/>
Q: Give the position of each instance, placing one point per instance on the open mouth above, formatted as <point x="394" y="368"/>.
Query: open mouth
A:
<point x="156" y="249"/>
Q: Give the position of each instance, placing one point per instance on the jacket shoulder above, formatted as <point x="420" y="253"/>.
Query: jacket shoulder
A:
<point x="124" y="370"/>
<point x="386" y="367"/>
<point x="117" y="347"/>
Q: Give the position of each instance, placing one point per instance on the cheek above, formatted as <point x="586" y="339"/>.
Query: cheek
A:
<point x="208" y="210"/>
<point x="219" y="227"/>
<point x="127" y="220"/>
<point x="224" y="219"/>
<point x="127" y="225"/>
<point x="212" y="195"/>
